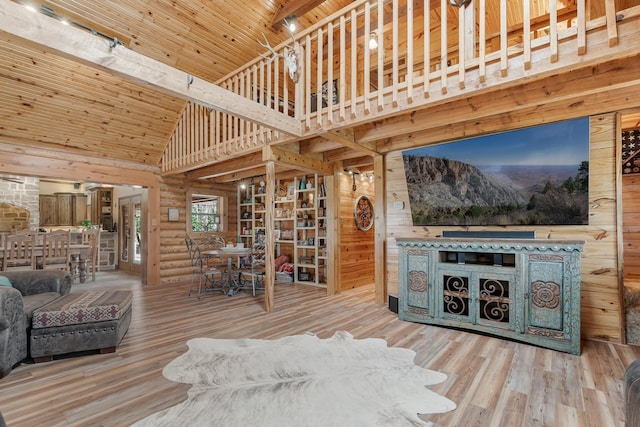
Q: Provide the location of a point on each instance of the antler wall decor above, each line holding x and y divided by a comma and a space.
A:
459, 3
290, 57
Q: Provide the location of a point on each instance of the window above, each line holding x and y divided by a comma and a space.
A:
206, 212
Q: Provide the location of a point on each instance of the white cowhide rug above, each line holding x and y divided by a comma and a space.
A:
300, 381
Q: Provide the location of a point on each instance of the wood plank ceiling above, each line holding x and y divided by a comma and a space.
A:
52, 103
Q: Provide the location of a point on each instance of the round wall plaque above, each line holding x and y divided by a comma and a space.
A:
363, 213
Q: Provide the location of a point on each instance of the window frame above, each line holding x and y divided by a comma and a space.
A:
222, 210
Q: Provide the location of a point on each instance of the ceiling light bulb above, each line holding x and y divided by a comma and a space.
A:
292, 26
373, 42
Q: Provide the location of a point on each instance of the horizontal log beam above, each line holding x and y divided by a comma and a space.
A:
223, 168
47, 33
347, 138
296, 160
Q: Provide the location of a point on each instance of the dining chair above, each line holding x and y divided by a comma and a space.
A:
253, 266
190, 243
91, 237
210, 278
56, 252
19, 252
214, 243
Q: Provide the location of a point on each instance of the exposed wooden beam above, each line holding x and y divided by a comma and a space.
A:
288, 158
342, 154
240, 175
359, 162
249, 161
11, 145
347, 138
317, 145
47, 33
294, 8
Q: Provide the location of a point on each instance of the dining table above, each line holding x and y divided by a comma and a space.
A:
232, 285
78, 251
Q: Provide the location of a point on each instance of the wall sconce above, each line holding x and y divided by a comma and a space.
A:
353, 174
243, 185
373, 40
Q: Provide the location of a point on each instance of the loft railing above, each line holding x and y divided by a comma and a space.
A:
426, 51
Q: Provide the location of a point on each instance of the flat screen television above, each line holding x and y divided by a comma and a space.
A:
532, 176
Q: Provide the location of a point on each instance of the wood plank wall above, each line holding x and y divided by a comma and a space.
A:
601, 309
357, 254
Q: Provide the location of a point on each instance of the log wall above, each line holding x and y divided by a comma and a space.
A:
175, 266
601, 307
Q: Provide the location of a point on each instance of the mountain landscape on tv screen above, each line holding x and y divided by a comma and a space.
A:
451, 192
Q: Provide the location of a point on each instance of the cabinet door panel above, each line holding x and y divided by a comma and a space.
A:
495, 300
454, 294
48, 210
65, 216
418, 280
546, 305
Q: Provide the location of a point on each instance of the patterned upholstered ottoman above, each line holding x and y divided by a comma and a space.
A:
95, 320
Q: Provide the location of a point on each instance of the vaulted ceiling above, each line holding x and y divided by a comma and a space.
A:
57, 105
54, 103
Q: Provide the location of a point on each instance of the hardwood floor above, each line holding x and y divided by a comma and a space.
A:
494, 382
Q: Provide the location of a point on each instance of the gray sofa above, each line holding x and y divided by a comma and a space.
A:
632, 394
31, 290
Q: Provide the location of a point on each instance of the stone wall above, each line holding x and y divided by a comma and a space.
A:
17, 195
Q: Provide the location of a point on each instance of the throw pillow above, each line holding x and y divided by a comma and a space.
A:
4, 281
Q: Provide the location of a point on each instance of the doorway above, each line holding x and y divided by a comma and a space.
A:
130, 236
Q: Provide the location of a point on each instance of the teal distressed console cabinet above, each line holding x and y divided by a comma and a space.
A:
527, 290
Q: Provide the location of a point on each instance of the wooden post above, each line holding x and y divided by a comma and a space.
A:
269, 258
333, 233
380, 227
334, 270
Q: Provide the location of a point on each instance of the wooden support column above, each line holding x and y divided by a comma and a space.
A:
380, 227
333, 233
334, 268
151, 205
269, 258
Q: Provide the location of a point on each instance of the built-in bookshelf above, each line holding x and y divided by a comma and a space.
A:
310, 256
246, 214
300, 220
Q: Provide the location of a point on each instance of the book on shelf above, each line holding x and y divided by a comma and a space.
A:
322, 191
